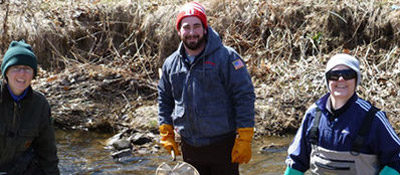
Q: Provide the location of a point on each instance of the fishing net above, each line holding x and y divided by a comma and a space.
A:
181, 168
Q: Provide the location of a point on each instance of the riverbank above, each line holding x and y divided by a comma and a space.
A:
99, 60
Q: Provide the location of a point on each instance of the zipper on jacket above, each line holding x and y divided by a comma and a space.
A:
15, 114
189, 105
191, 117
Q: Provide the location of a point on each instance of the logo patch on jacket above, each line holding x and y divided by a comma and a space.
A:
210, 63
238, 64
28, 144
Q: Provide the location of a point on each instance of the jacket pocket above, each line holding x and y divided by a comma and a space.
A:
324, 165
26, 137
331, 167
208, 86
28, 132
177, 84
214, 121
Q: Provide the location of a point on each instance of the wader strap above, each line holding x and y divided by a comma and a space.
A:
364, 130
314, 132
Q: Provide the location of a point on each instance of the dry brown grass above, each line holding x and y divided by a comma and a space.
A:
285, 44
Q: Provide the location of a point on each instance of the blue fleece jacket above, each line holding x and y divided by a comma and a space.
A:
339, 132
208, 99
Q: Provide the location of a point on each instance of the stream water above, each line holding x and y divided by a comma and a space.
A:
84, 153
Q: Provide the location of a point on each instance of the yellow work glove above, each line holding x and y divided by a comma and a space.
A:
241, 152
168, 138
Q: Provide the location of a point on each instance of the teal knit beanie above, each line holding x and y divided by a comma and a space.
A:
19, 53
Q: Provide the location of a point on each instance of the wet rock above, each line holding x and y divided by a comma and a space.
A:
118, 141
113, 139
142, 151
136, 141
121, 144
122, 153
140, 139
272, 148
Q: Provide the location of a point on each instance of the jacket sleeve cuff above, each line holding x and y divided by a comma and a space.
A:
388, 170
291, 171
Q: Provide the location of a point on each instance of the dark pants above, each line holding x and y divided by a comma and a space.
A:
214, 159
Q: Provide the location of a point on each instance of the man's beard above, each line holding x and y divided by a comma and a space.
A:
194, 45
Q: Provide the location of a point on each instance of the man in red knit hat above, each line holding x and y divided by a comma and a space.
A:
207, 97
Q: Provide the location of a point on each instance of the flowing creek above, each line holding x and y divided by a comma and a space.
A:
84, 153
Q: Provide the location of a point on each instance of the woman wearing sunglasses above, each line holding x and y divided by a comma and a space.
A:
342, 133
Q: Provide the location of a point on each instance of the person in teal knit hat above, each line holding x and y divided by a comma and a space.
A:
27, 141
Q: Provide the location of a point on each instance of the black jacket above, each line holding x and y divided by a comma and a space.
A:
24, 125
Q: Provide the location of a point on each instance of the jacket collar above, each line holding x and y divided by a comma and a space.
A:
5, 94
323, 105
17, 98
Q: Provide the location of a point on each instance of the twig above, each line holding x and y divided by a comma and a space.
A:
126, 99
5, 27
56, 51
337, 15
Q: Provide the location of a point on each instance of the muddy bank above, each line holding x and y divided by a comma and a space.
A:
100, 59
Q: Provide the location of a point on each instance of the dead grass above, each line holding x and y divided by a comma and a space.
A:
285, 44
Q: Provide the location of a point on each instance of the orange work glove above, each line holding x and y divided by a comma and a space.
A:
241, 152
168, 138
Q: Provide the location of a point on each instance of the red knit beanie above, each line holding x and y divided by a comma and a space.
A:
192, 9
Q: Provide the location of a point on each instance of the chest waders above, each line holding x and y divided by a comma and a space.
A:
325, 161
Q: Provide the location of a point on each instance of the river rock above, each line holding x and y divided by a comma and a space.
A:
141, 138
119, 141
122, 153
121, 144
272, 147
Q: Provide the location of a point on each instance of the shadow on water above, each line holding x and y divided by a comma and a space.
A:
84, 153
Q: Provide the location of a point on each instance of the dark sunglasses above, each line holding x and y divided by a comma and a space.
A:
347, 74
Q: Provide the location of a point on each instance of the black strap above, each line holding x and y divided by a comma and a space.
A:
314, 132
360, 138
364, 130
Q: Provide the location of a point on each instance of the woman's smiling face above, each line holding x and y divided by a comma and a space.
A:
19, 77
341, 88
